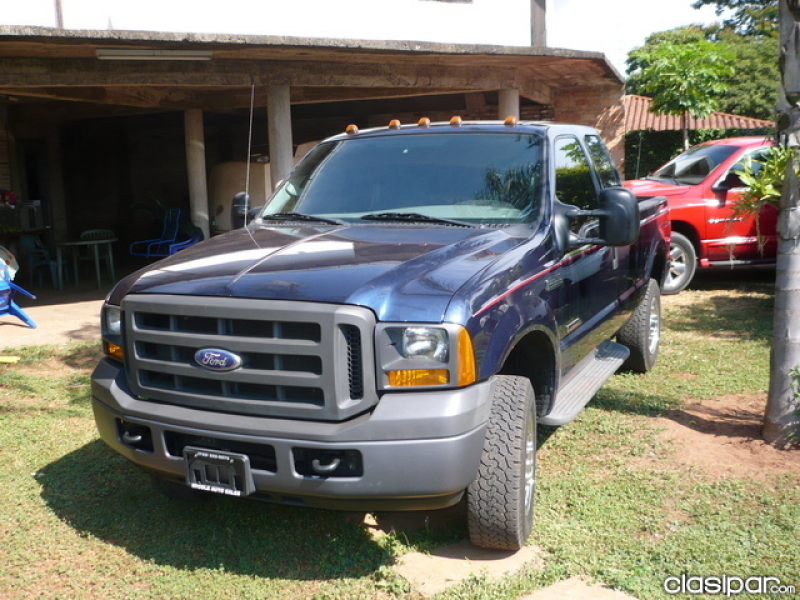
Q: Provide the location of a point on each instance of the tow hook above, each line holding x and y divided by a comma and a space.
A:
325, 469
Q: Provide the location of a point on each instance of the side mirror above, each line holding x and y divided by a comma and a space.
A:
731, 180
240, 206
617, 217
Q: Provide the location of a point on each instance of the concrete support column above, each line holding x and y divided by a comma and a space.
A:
538, 23
279, 124
196, 169
508, 104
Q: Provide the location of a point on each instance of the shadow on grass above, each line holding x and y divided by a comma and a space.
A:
750, 279
723, 421
632, 403
727, 317
101, 495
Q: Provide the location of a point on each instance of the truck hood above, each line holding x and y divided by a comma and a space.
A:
650, 187
401, 272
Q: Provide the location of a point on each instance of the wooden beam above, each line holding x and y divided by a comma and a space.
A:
38, 72
220, 98
314, 95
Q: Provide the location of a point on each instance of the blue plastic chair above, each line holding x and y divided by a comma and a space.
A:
197, 237
160, 246
7, 304
37, 257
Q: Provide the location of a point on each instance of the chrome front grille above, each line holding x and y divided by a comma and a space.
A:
299, 359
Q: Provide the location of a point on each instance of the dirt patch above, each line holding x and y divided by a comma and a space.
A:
722, 436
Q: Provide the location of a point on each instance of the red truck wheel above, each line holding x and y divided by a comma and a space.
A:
682, 264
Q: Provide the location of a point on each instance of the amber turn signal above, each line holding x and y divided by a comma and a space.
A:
114, 351
419, 377
467, 372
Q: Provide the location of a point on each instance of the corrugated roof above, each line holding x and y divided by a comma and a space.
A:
638, 116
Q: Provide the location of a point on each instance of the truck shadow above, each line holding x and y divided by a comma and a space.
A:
723, 317
101, 495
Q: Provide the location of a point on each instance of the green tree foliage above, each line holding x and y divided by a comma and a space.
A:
747, 17
639, 58
764, 181
752, 86
685, 79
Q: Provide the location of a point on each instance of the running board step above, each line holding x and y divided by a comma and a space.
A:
593, 372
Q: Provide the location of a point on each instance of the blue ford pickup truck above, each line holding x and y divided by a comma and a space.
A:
387, 333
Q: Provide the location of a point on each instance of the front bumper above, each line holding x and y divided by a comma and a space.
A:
419, 450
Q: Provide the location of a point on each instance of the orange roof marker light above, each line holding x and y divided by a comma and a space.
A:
455, 121
424, 122
394, 124
510, 121
351, 129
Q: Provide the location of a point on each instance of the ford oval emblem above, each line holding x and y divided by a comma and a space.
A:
215, 359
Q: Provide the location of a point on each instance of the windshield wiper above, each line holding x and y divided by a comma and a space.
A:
671, 180
296, 216
413, 217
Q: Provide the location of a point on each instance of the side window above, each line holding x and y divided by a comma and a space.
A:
574, 183
609, 177
758, 157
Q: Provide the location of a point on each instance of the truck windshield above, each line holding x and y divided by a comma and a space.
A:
470, 178
694, 165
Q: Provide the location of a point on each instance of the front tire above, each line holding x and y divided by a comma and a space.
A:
642, 333
682, 264
500, 501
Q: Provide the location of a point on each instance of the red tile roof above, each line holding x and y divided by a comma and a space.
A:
638, 116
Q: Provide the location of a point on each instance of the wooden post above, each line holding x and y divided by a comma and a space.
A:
279, 124
508, 104
781, 418
196, 169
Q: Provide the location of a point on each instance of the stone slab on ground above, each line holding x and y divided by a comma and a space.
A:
432, 573
576, 588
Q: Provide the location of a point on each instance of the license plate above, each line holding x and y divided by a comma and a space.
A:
218, 472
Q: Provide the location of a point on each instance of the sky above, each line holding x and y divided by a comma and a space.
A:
615, 27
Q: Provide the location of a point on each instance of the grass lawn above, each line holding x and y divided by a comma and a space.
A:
628, 494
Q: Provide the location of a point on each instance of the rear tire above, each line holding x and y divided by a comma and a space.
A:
642, 333
682, 264
500, 501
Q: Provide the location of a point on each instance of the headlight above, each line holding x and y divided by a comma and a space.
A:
111, 319
421, 343
424, 356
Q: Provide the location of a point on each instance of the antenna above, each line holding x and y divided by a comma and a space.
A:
247, 166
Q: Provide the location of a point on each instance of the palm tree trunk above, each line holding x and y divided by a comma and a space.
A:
781, 418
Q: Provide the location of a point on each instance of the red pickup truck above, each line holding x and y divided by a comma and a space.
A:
701, 186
